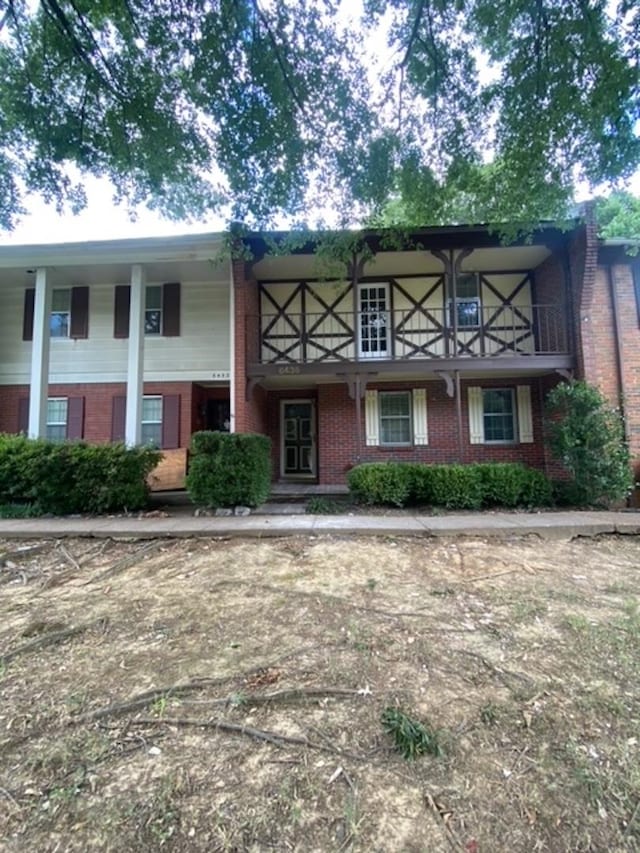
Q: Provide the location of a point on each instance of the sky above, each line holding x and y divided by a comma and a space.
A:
103, 220
100, 220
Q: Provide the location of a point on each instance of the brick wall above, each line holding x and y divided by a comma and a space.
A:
630, 352
337, 435
98, 398
249, 414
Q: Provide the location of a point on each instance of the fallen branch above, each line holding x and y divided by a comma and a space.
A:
69, 557
11, 799
25, 551
502, 674
50, 639
493, 575
274, 738
279, 696
177, 690
130, 560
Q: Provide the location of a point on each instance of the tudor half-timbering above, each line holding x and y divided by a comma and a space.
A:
441, 350
117, 340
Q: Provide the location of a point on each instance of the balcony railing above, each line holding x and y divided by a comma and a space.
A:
406, 335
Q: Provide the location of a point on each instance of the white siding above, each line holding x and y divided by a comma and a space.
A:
201, 348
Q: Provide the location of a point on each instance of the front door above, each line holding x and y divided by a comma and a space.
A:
297, 428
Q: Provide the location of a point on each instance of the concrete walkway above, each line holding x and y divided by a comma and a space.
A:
549, 525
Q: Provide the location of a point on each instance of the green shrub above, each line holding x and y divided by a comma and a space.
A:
455, 486
387, 483
586, 435
512, 484
450, 486
229, 469
537, 489
72, 477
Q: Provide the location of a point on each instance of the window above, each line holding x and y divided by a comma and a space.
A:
60, 320
467, 301
499, 415
153, 310
151, 425
57, 410
394, 408
374, 320
161, 310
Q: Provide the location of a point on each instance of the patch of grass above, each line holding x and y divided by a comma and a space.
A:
411, 737
617, 588
489, 714
527, 609
319, 505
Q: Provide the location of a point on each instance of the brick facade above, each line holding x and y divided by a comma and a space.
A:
337, 435
98, 405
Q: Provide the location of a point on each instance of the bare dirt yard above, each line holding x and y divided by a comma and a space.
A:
228, 695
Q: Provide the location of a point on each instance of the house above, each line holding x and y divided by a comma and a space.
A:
437, 346
439, 349
117, 340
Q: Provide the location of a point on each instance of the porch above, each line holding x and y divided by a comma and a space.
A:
472, 331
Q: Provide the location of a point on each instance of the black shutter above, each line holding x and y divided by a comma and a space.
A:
121, 311
27, 317
75, 417
171, 309
118, 415
79, 312
171, 421
23, 415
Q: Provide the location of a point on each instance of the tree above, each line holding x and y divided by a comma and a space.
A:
618, 215
586, 435
260, 107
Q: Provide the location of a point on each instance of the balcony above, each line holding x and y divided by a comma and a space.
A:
487, 332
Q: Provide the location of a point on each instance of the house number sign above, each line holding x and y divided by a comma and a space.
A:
288, 371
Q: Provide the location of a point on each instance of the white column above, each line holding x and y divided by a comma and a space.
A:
135, 363
40, 357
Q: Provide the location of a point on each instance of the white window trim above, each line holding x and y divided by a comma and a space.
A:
64, 423
514, 418
523, 417
408, 417
382, 354
418, 418
148, 422
66, 337
157, 334
463, 300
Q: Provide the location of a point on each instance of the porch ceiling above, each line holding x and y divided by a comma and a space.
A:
389, 264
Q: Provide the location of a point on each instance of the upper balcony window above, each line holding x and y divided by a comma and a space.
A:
373, 313
153, 310
60, 319
467, 301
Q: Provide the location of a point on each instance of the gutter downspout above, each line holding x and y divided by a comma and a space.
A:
232, 348
622, 391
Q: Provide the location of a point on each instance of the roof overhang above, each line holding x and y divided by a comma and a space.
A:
199, 257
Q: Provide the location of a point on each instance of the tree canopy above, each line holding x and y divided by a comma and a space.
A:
618, 215
260, 109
